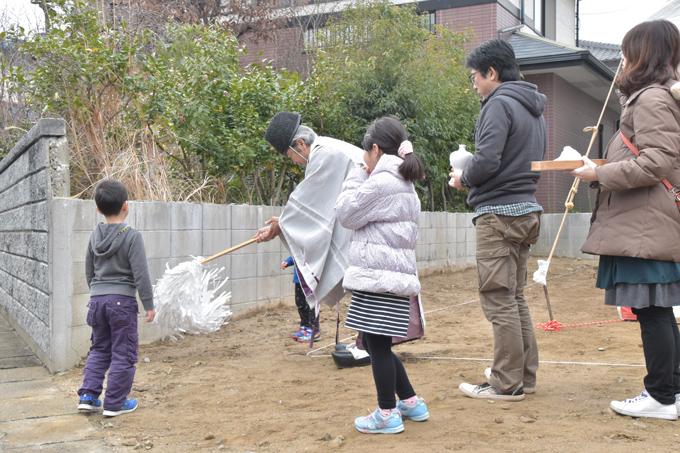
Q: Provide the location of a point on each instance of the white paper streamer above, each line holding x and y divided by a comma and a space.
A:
542, 272
184, 300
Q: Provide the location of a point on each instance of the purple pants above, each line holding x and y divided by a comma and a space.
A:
115, 342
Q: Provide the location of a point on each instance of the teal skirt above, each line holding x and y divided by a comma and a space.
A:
639, 283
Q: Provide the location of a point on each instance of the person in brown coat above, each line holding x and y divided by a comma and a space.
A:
635, 227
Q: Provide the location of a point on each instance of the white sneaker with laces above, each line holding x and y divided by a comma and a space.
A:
487, 374
645, 406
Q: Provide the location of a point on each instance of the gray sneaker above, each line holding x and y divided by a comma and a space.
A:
486, 391
528, 390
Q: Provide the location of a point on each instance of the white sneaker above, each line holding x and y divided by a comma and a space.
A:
677, 402
645, 406
487, 373
486, 391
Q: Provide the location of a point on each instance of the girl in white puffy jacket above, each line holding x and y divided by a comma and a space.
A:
380, 205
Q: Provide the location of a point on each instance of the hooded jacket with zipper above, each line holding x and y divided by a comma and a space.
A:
510, 134
635, 215
115, 263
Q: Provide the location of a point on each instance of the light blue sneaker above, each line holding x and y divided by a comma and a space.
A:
89, 403
129, 406
376, 424
417, 413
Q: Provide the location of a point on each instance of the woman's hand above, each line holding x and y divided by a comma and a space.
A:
586, 173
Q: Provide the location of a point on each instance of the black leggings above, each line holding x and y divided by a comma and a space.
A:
661, 346
304, 310
388, 372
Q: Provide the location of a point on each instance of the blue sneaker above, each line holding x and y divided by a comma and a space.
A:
300, 332
417, 412
129, 406
307, 337
376, 424
88, 403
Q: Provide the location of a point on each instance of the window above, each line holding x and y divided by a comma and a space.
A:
427, 20
534, 10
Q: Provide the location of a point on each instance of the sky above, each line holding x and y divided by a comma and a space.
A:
609, 20
601, 20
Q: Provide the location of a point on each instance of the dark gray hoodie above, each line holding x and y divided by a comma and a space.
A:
510, 134
116, 263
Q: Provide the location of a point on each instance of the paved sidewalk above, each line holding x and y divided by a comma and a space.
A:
34, 413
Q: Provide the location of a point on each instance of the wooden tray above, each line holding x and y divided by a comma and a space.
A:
562, 164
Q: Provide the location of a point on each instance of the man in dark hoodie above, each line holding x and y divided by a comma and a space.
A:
115, 269
510, 134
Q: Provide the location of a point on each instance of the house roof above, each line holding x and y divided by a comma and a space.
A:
576, 65
670, 11
602, 51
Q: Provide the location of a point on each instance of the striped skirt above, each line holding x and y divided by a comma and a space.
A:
378, 313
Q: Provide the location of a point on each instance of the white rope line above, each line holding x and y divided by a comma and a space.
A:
329, 345
526, 286
476, 359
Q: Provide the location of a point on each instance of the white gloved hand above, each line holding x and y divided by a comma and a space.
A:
542, 272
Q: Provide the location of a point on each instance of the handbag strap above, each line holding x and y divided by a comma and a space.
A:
665, 182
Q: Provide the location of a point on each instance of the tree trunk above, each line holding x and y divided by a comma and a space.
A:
444, 196
242, 178
430, 189
260, 199
282, 176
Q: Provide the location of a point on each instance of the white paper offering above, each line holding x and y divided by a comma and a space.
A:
569, 153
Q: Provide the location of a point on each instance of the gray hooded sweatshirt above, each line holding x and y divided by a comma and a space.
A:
510, 134
116, 263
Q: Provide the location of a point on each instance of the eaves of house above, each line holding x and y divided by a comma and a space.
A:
578, 66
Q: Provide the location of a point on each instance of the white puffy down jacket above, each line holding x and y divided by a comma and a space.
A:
383, 211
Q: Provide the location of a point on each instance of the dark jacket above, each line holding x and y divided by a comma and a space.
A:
510, 134
635, 215
115, 263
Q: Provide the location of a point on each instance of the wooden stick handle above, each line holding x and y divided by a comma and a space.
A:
224, 252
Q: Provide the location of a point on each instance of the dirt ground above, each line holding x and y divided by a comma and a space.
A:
250, 387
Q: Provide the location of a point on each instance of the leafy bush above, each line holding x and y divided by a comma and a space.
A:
376, 60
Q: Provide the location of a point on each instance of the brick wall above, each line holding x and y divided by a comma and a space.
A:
568, 111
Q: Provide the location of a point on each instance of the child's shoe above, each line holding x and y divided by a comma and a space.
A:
377, 424
129, 406
307, 337
300, 332
418, 412
89, 403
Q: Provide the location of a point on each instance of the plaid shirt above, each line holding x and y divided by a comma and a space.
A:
514, 210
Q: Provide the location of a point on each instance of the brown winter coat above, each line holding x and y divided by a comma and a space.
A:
635, 215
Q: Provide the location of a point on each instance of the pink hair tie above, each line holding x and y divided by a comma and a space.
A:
405, 148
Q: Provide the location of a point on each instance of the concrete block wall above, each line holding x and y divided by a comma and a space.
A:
32, 173
44, 236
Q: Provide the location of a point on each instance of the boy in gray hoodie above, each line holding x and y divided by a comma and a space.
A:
115, 268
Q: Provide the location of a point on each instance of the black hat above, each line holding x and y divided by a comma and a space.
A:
281, 130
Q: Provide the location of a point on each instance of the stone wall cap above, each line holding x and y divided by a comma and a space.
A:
46, 127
